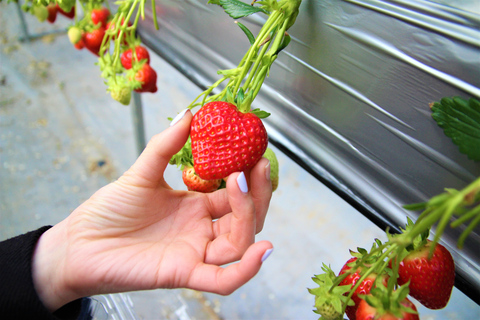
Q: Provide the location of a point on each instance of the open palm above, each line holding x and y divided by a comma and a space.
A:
138, 233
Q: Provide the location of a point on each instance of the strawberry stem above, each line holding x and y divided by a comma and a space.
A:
256, 62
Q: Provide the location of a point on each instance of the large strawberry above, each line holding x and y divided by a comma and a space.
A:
364, 288
147, 77
225, 140
431, 276
93, 39
127, 58
195, 183
431, 279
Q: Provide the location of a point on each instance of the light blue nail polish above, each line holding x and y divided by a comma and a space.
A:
242, 183
267, 254
178, 117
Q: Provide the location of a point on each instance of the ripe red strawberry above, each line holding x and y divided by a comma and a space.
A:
93, 39
431, 280
195, 183
147, 76
70, 14
52, 13
225, 140
363, 289
80, 44
127, 56
367, 312
100, 15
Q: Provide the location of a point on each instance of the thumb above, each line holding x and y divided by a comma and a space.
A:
153, 161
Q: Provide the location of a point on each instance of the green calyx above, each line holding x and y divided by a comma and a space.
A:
329, 303
244, 82
184, 157
386, 302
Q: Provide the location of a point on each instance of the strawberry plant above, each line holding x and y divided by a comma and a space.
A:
227, 135
410, 258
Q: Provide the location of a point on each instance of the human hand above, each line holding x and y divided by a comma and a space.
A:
138, 233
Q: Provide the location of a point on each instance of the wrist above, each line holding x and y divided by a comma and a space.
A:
48, 270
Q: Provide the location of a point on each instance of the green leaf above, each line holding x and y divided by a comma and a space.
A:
460, 121
260, 113
247, 32
237, 9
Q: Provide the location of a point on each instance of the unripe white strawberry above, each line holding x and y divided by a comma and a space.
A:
74, 35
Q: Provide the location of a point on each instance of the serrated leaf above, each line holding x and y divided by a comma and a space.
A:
247, 32
237, 9
460, 121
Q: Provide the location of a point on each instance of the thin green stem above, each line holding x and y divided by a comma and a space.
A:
467, 216
265, 31
468, 230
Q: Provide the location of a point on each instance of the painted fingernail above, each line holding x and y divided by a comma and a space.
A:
267, 254
267, 171
242, 183
178, 117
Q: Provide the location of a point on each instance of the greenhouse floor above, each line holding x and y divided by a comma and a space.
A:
62, 137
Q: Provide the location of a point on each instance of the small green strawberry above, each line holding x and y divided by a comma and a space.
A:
270, 155
122, 94
41, 12
329, 303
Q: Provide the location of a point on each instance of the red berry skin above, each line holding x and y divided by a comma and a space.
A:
100, 15
69, 15
367, 312
52, 13
93, 40
225, 140
195, 183
363, 289
80, 44
127, 56
148, 77
431, 281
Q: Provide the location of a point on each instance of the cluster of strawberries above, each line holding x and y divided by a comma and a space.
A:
92, 32
48, 12
424, 270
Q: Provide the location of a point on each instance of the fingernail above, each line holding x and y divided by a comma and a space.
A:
267, 254
178, 117
242, 183
267, 171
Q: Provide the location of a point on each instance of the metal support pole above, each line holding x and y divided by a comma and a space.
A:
138, 125
23, 23
26, 35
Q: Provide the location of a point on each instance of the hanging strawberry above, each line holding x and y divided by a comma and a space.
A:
52, 13
226, 140
227, 135
128, 57
69, 14
93, 39
100, 15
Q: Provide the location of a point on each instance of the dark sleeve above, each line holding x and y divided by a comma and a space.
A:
18, 298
